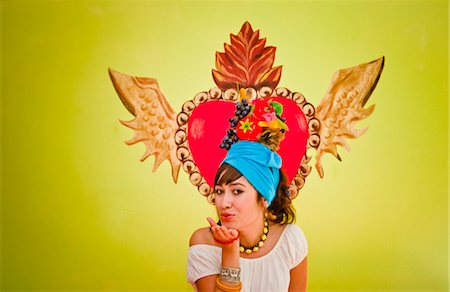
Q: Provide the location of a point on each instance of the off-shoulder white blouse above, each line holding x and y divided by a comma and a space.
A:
270, 272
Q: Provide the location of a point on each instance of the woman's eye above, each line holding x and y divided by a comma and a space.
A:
218, 192
237, 192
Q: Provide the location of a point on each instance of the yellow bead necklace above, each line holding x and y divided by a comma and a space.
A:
260, 244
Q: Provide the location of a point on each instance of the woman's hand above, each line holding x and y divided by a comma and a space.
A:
222, 234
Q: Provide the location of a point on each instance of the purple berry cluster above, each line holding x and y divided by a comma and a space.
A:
242, 110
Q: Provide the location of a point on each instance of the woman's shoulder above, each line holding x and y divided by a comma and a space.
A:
202, 236
203, 256
294, 241
286, 230
294, 232
294, 228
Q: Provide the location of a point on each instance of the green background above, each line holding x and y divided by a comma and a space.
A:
80, 212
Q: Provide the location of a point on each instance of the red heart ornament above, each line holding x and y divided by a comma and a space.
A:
208, 125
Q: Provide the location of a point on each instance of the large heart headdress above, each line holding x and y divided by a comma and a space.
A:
191, 138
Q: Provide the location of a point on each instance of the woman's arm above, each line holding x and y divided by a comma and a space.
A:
207, 283
230, 259
298, 277
230, 255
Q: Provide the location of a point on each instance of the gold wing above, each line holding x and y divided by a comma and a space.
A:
155, 121
343, 106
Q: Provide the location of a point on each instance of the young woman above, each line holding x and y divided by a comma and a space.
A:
254, 246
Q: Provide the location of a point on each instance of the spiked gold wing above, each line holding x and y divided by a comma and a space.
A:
155, 121
343, 106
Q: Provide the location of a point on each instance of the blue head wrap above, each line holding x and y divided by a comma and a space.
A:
258, 164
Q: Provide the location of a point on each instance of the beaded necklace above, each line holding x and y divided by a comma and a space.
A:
260, 244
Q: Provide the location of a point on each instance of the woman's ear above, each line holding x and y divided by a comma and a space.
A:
266, 205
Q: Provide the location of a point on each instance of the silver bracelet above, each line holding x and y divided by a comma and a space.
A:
230, 274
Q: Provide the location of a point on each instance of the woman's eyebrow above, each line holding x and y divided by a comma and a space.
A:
236, 183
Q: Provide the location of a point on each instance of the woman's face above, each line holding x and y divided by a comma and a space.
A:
237, 204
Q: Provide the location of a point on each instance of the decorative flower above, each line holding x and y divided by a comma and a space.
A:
248, 129
270, 116
262, 106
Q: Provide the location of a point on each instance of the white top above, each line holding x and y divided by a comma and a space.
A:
270, 272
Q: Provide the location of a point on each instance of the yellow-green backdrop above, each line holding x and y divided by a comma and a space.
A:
80, 212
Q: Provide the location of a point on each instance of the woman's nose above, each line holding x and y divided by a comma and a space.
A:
227, 201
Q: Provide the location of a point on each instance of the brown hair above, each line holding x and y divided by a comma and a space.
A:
281, 208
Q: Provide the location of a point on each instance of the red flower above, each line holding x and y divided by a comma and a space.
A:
262, 106
248, 129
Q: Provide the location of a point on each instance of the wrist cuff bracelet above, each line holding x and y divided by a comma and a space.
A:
232, 275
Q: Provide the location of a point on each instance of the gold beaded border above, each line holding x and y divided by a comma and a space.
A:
184, 153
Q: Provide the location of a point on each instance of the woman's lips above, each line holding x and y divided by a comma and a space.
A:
226, 216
